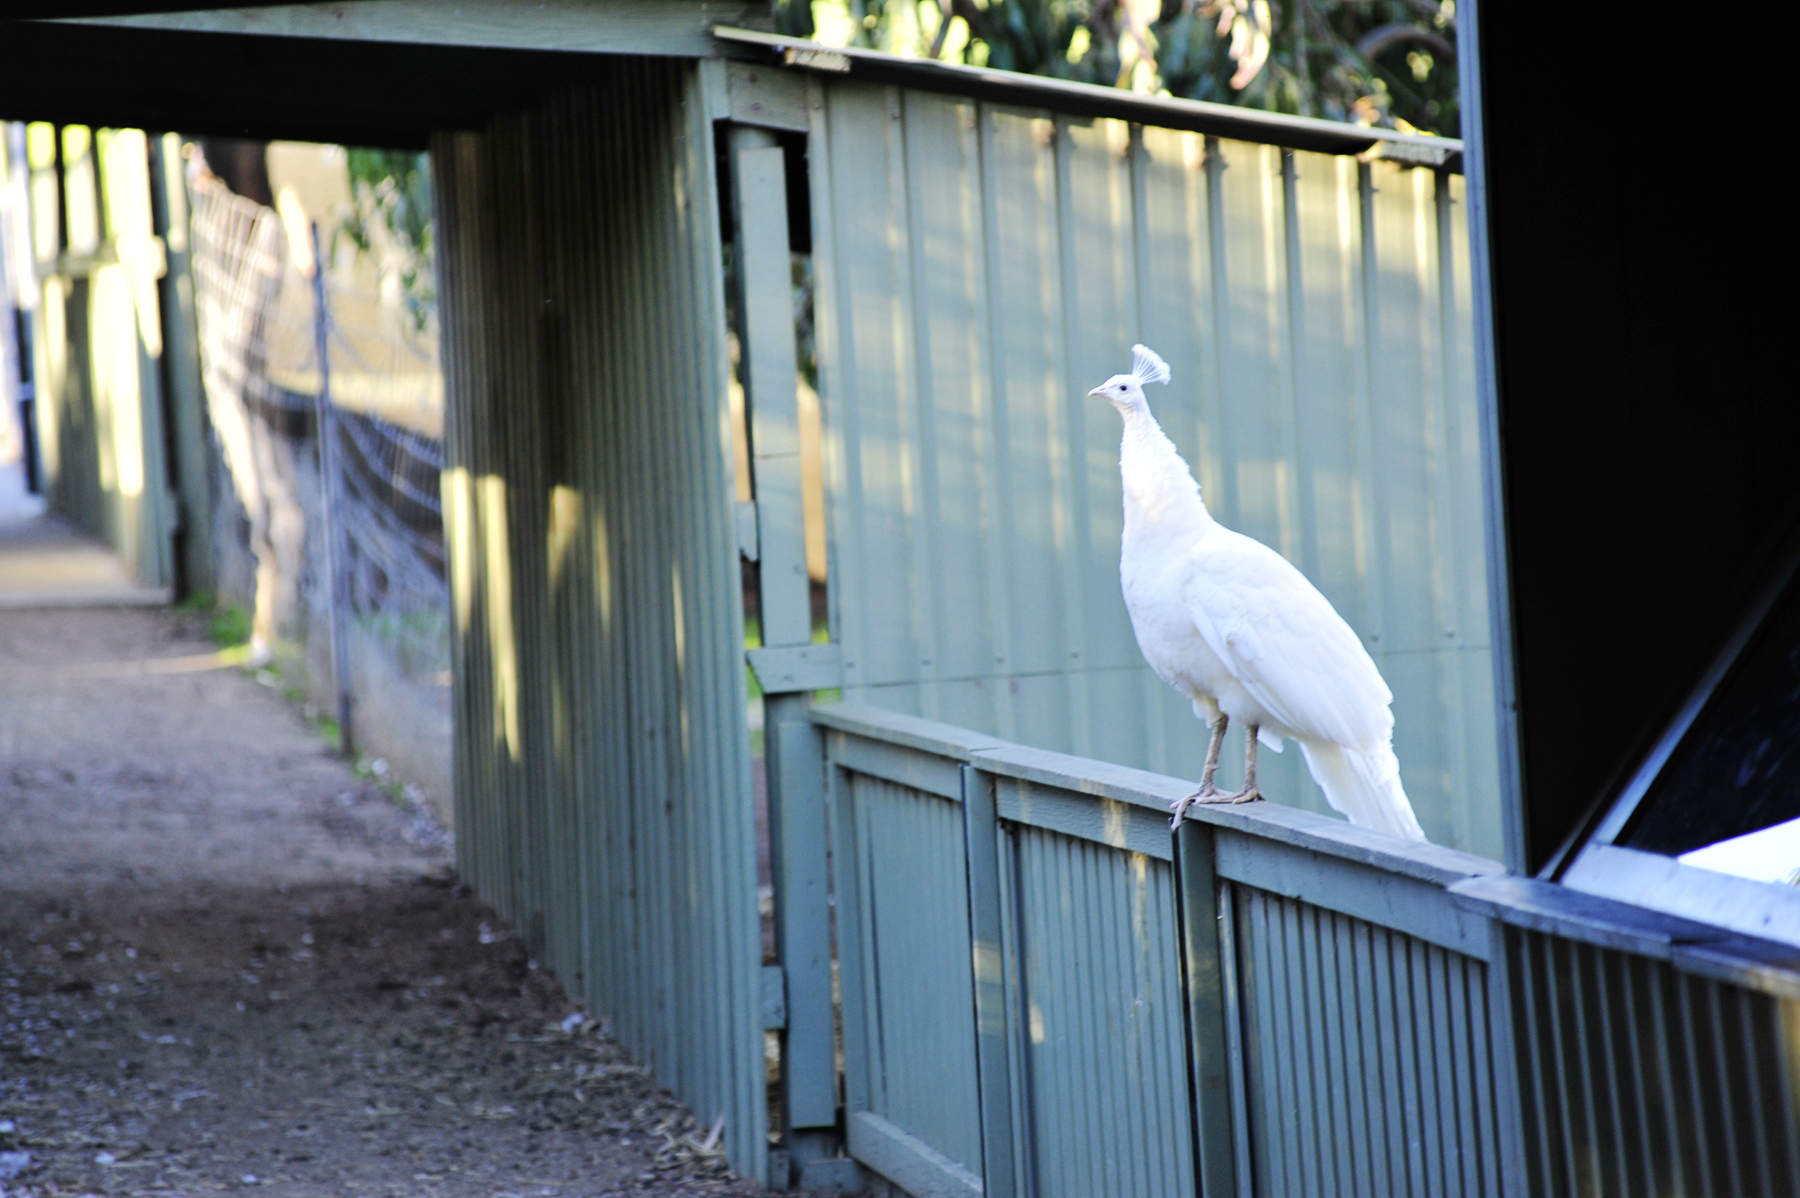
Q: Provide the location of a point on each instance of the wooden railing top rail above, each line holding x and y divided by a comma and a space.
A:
1477, 885
1431, 863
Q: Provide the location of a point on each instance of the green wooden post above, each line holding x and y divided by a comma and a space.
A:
1203, 992
981, 844
802, 918
771, 382
796, 772
183, 395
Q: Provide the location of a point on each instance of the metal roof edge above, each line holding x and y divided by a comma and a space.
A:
1087, 99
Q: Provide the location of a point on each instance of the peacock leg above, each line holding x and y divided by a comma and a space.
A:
1249, 794
1178, 809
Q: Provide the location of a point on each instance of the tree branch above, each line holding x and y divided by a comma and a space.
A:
1377, 41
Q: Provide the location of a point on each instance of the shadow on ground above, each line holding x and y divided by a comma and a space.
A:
227, 963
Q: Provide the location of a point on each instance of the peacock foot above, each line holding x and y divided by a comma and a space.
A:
1247, 795
1178, 809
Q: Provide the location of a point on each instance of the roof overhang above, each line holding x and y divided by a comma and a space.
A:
389, 72
363, 72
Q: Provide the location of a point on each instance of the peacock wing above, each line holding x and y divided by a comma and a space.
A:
1285, 644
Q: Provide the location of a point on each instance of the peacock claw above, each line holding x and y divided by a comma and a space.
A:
1248, 795
1178, 809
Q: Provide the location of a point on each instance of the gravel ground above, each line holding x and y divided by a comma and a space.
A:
229, 963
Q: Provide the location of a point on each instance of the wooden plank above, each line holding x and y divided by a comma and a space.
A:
1748, 906
1427, 862
1203, 978
666, 27
1504, 1119
1404, 904
802, 915
854, 952
908, 1161
1430, 863
1234, 979
1110, 822
766, 97
986, 930
895, 763
897, 728
792, 668
922, 993
765, 290
1710, 951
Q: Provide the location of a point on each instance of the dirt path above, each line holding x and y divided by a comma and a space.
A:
226, 963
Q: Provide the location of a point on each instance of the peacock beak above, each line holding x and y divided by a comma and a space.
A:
1100, 391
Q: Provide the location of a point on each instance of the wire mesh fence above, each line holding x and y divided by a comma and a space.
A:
328, 459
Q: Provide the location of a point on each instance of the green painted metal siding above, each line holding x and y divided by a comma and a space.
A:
1353, 1048
1366, 1016
1367, 1057
981, 267
97, 339
913, 892
1094, 952
603, 792
1637, 1077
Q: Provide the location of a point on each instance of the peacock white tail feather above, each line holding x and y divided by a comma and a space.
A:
1147, 366
1364, 784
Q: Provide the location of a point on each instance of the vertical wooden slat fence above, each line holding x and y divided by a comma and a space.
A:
1640, 1078
1363, 1015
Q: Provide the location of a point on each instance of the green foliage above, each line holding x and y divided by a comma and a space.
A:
376, 771
230, 627
1383, 62
1391, 63
793, 18
391, 221
1037, 37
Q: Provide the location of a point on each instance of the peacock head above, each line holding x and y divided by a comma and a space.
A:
1126, 391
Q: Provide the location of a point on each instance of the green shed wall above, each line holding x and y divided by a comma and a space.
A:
980, 267
98, 334
603, 788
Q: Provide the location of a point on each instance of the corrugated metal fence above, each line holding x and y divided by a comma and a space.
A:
602, 759
1338, 1013
981, 267
1640, 1077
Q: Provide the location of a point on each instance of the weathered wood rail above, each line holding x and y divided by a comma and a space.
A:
1043, 992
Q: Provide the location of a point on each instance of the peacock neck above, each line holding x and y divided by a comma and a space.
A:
1162, 500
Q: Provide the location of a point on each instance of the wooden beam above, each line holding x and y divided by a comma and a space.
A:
677, 28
